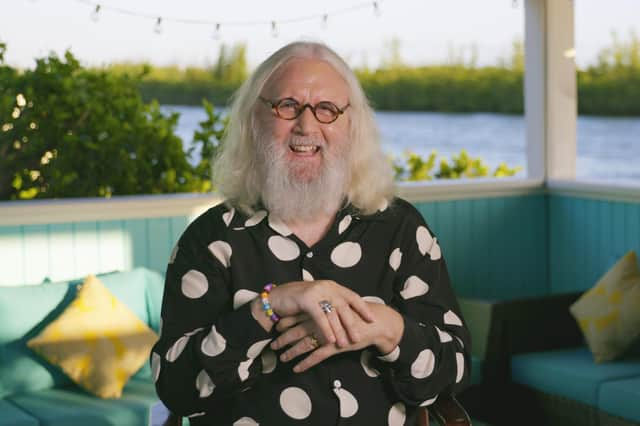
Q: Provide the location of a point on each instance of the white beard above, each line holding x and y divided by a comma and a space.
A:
290, 198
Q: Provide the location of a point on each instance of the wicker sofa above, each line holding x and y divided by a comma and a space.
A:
537, 369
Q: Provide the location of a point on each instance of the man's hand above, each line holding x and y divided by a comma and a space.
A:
339, 326
384, 333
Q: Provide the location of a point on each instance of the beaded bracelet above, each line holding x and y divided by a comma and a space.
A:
266, 306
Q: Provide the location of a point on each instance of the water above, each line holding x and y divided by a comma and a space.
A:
608, 147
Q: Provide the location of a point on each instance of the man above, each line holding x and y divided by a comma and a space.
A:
311, 296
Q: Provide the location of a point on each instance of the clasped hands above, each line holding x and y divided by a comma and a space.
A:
351, 323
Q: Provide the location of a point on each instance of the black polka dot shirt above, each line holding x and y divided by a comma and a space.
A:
213, 363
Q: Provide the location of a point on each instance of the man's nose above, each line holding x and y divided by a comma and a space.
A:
306, 122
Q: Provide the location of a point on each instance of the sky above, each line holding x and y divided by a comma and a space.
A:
427, 30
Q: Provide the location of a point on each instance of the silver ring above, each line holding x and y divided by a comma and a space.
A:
326, 306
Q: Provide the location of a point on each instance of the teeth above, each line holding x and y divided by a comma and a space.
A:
303, 148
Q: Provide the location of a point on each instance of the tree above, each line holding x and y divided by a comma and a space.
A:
71, 132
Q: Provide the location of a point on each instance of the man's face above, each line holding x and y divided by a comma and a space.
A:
307, 81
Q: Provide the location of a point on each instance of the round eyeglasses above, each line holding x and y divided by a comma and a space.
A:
289, 109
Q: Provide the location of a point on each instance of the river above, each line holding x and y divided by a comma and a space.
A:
608, 147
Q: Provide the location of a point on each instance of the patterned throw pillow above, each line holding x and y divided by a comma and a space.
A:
97, 341
609, 313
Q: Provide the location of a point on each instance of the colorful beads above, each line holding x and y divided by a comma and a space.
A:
266, 306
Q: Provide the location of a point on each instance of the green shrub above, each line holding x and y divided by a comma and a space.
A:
71, 132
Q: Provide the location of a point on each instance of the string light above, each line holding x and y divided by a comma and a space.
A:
216, 32
157, 28
324, 17
95, 15
376, 9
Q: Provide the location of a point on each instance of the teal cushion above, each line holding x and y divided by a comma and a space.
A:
72, 407
26, 310
621, 398
10, 415
476, 370
570, 373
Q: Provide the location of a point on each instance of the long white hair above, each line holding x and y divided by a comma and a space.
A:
236, 174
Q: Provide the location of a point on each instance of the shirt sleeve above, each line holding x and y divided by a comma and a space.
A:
433, 355
209, 349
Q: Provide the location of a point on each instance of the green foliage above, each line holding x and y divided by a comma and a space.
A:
188, 86
206, 141
612, 85
66, 131
415, 168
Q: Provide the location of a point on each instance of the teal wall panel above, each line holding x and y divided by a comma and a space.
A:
586, 237
34, 253
495, 248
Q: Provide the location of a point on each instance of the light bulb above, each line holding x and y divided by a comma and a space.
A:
376, 9
325, 19
274, 29
95, 15
158, 27
216, 32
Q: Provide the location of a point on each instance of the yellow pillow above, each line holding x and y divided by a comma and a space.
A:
97, 341
609, 313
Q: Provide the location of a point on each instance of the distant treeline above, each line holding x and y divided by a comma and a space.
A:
611, 86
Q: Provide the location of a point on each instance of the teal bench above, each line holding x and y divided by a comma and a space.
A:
537, 370
35, 393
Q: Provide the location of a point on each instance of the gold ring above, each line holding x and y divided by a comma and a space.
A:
313, 341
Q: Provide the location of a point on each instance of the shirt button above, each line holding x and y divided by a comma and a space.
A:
310, 254
337, 384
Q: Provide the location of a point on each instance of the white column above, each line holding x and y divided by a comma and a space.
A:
550, 89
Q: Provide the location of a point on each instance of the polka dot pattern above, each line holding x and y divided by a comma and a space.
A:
444, 336
348, 402
227, 217
256, 348
194, 284
279, 226
391, 356
245, 421
395, 259
397, 414
242, 297
295, 403
429, 401
204, 384
306, 275
347, 254
155, 366
283, 248
176, 349
424, 239
414, 287
256, 218
344, 224
365, 361
423, 365
459, 366
200, 414
451, 318
243, 369
222, 251
214, 344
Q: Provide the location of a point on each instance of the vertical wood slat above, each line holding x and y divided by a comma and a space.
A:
35, 253
495, 247
587, 237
